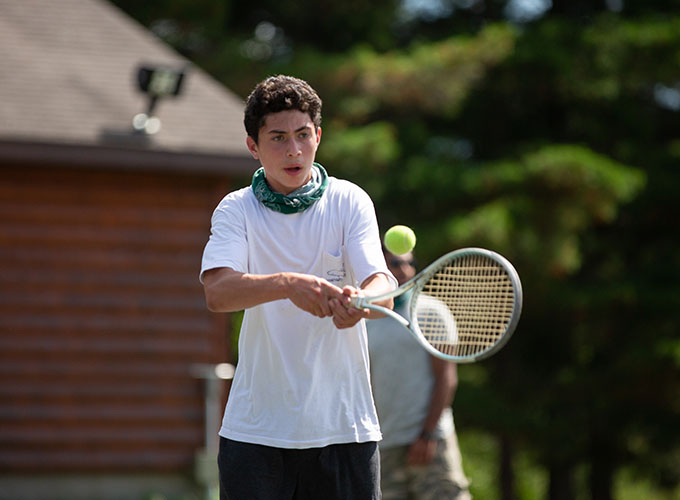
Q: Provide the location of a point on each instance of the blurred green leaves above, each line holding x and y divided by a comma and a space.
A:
432, 78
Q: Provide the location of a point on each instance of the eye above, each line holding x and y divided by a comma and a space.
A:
277, 138
303, 135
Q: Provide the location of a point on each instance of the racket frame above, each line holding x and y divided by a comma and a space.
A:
418, 282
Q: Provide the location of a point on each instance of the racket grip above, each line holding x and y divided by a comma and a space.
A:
357, 302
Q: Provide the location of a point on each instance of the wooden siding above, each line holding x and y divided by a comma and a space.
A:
101, 318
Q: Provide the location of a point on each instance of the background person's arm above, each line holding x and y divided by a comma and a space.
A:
422, 450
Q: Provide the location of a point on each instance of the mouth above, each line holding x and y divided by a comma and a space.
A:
293, 169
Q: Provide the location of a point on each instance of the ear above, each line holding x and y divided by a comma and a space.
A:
252, 147
318, 135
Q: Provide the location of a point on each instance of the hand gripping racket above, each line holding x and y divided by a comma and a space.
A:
463, 307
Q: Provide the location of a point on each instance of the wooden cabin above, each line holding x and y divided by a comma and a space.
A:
102, 226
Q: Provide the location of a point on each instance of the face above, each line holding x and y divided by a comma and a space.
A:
286, 147
402, 266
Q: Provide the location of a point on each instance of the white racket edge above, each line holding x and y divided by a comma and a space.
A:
423, 277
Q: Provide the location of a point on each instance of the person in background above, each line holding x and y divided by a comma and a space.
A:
413, 392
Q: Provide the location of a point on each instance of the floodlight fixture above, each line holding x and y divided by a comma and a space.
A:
157, 82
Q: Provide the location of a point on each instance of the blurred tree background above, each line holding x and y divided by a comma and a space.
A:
548, 131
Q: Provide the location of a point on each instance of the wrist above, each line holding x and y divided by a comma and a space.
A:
427, 435
285, 284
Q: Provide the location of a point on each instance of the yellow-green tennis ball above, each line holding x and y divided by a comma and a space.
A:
400, 239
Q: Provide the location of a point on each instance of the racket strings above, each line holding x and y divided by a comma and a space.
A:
466, 306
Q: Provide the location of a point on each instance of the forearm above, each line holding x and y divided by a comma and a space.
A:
445, 384
423, 449
227, 290
375, 285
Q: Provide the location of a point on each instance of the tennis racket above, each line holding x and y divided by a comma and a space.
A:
463, 307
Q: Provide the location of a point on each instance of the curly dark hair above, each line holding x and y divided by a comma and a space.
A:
280, 93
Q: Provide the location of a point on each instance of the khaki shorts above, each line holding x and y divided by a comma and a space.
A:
442, 479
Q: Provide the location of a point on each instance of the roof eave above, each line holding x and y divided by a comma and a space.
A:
19, 152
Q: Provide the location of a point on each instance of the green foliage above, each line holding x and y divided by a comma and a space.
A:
479, 450
350, 150
327, 26
431, 79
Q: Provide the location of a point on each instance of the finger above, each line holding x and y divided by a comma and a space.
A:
349, 292
339, 311
415, 458
342, 320
353, 314
325, 308
332, 291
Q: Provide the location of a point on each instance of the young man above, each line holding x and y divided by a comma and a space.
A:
419, 454
290, 249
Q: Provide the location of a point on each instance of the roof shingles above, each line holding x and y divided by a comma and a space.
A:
68, 76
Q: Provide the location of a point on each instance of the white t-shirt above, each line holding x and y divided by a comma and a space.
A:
300, 382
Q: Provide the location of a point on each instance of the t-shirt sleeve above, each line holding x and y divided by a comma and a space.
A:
227, 245
362, 239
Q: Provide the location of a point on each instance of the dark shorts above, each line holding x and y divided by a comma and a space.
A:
336, 472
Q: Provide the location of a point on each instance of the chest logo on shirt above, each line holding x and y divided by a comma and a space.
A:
335, 268
336, 275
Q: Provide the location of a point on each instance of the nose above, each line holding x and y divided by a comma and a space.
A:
294, 148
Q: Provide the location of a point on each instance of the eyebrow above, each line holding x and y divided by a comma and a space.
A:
278, 132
